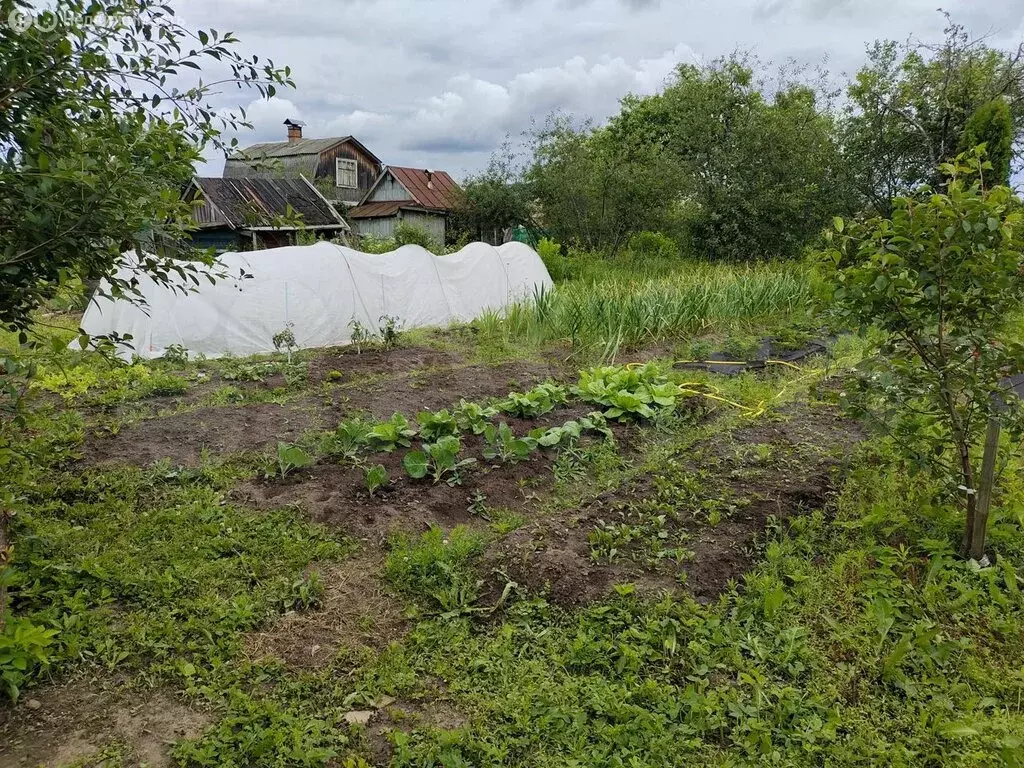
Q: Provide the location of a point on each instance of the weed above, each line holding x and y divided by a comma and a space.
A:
436, 567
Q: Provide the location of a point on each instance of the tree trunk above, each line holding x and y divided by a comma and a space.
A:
988, 476
967, 473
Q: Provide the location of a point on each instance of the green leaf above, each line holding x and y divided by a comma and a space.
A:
415, 463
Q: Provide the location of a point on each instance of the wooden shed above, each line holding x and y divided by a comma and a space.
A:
244, 214
342, 168
422, 198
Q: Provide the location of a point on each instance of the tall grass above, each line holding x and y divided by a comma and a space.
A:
620, 309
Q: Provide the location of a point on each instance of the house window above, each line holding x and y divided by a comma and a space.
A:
346, 173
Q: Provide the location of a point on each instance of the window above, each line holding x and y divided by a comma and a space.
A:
346, 173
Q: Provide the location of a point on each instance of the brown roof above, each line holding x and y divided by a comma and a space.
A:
383, 209
441, 194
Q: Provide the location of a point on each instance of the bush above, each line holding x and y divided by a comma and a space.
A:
409, 234
550, 253
653, 246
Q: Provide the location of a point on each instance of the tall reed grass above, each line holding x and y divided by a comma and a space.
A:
620, 309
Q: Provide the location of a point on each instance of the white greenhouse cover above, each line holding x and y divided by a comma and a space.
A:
320, 289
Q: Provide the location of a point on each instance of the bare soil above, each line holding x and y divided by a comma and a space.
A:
61, 724
807, 446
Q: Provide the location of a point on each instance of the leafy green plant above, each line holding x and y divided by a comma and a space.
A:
176, 354
359, 335
376, 478
941, 278
291, 457
440, 460
535, 402
571, 431
389, 331
627, 391
24, 649
502, 444
550, 253
472, 417
391, 434
348, 439
437, 424
285, 338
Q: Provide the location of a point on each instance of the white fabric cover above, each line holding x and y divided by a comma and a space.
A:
320, 289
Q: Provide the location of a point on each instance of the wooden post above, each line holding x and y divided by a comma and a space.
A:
988, 476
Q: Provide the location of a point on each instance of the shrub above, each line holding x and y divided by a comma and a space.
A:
410, 234
550, 253
653, 246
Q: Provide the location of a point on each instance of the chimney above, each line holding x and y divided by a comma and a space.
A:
294, 130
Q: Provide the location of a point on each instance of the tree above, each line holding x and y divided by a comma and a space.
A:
756, 178
496, 199
594, 190
940, 277
992, 125
910, 105
100, 127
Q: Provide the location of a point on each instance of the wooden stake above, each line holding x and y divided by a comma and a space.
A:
988, 475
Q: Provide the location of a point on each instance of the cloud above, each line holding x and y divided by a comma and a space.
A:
439, 84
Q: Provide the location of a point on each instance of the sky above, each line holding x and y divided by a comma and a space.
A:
439, 84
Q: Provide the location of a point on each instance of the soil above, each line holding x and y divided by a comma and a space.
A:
808, 445
356, 612
412, 385
61, 724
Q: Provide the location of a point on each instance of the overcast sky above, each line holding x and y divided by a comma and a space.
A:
439, 83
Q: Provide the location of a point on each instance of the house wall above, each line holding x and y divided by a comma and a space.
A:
385, 225
389, 189
368, 171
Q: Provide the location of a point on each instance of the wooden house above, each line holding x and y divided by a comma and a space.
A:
421, 198
341, 167
246, 214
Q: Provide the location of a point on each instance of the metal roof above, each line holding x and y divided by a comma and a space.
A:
253, 202
431, 189
382, 209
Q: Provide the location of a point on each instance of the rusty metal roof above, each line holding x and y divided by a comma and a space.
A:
252, 202
431, 189
383, 209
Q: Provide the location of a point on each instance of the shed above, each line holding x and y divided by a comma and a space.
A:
342, 168
422, 198
236, 214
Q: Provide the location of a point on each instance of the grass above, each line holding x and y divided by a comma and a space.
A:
857, 638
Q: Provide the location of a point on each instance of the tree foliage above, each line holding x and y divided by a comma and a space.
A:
910, 106
495, 199
100, 125
992, 125
940, 277
594, 190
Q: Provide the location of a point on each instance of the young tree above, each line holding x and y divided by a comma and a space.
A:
941, 277
495, 199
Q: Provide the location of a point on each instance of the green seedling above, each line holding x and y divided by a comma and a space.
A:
436, 425
502, 444
389, 435
440, 460
472, 417
376, 478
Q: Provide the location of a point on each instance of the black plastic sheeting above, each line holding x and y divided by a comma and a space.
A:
730, 366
